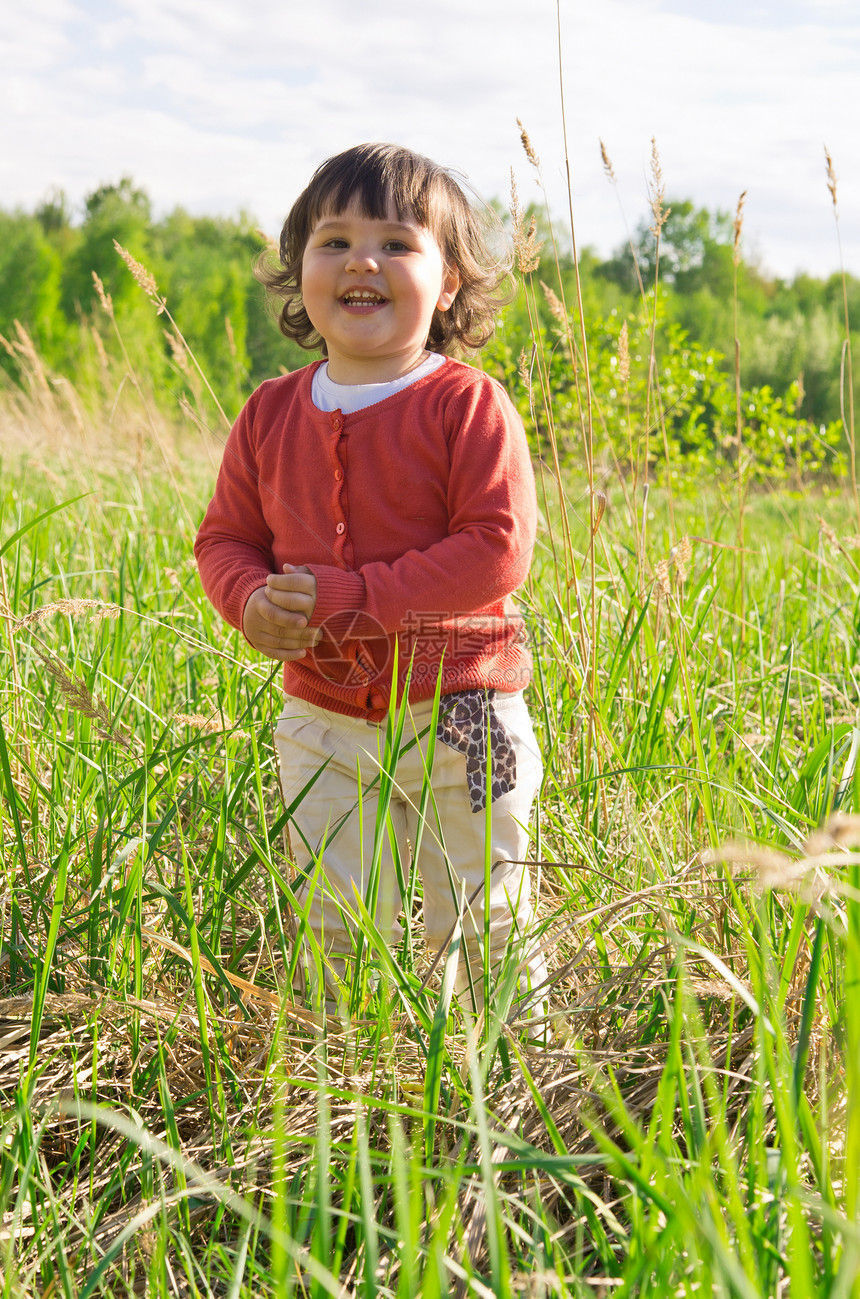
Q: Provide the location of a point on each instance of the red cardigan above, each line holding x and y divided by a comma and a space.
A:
416, 516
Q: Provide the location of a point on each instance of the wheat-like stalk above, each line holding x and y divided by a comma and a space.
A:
801, 392
607, 163
103, 296
23, 346
78, 696
526, 244
178, 350
661, 574
144, 278
524, 371
198, 722
598, 509
528, 147
209, 725
516, 207
824, 848
680, 557
100, 348
554, 303
623, 355
95, 610
657, 192
831, 178
738, 225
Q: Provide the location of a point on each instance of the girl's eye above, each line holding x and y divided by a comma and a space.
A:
335, 243
396, 246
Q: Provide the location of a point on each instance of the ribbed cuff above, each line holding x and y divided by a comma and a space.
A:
340, 602
234, 609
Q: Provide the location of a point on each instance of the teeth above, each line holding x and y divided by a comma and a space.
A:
356, 295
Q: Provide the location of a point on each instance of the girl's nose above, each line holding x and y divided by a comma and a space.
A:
362, 260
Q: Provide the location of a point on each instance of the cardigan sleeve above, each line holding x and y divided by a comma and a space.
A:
492, 513
233, 547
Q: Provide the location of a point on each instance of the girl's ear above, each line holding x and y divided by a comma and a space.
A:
450, 288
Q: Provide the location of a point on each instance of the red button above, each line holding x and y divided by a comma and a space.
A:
338, 474
340, 529
336, 424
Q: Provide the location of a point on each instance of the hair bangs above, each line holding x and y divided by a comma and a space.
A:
372, 181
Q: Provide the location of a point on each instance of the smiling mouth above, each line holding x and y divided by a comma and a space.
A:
363, 299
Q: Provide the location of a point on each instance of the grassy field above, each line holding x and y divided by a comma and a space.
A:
172, 1123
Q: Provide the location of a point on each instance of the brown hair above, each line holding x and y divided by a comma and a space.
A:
374, 178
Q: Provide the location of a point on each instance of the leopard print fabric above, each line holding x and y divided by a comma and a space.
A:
462, 726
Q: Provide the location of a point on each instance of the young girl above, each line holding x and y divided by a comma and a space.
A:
384, 496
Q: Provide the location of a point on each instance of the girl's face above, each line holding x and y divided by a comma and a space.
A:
370, 287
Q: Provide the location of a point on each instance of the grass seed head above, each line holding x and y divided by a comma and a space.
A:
144, 278
607, 163
103, 296
738, 225
516, 210
777, 870
79, 697
178, 350
25, 347
623, 355
208, 725
680, 557
831, 176
598, 504
198, 722
661, 576
528, 147
524, 370
526, 245
657, 192
842, 830
100, 349
554, 303
94, 610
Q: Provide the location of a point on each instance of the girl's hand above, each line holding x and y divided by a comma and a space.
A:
277, 615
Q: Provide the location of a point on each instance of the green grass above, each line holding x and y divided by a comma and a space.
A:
692, 1127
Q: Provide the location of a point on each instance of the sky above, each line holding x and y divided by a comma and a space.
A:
223, 106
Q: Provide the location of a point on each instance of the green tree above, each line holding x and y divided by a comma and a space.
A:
30, 272
112, 212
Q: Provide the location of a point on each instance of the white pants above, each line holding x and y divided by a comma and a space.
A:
451, 854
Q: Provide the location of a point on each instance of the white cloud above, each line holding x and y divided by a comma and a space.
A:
219, 105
